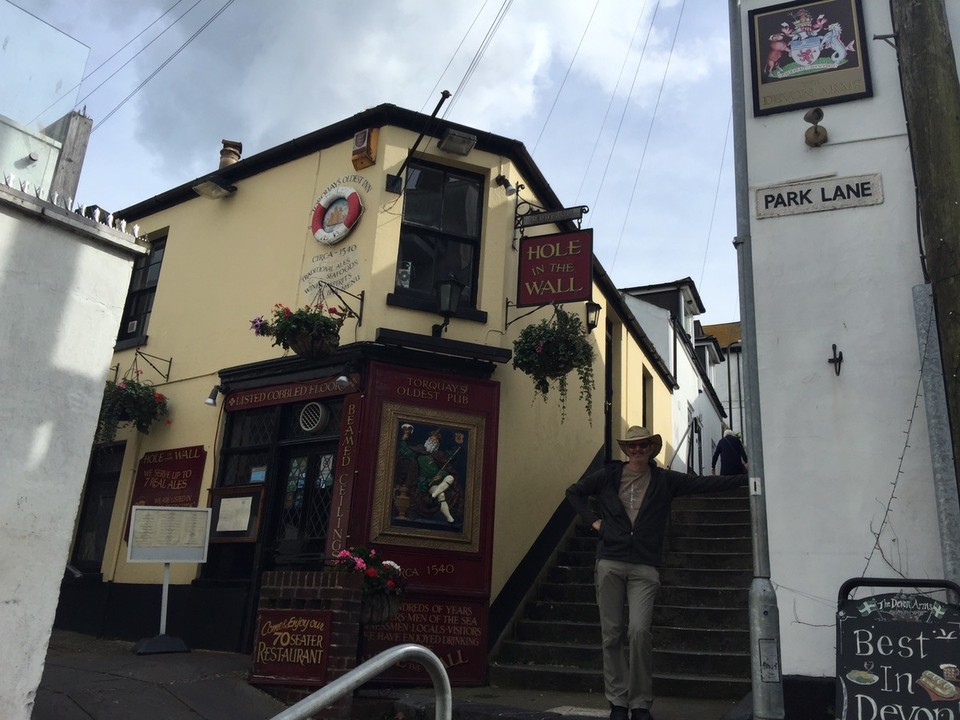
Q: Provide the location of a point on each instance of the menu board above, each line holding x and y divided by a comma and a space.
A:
897, 657
168, 534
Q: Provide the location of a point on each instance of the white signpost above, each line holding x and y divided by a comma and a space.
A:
167, 535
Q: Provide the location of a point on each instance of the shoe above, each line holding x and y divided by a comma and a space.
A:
618, 712
640, 714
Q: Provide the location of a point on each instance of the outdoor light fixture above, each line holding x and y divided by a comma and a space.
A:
448, 301
214, 188
456, 142
593, 315
507, 186
344, 382
212, 399
814, 136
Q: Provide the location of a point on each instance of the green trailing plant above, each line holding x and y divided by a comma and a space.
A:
549, 350
317, 325
133, 401
380, 577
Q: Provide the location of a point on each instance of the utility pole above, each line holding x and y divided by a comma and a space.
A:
764, 614
931, 98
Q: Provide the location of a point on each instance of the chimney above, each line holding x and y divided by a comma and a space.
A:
230, 153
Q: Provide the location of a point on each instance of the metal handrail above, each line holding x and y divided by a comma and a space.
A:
329, 694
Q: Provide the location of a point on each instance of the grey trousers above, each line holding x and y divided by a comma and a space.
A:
625, 595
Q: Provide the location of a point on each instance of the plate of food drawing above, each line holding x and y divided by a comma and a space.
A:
862, 677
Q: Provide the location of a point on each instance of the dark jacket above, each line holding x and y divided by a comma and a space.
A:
732, 455
643, 542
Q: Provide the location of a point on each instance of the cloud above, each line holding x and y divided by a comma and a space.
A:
266, 73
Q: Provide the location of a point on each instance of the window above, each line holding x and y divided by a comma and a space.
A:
439, 237
143, 288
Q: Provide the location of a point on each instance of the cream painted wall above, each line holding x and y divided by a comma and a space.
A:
63, 280
229, 260
833, 445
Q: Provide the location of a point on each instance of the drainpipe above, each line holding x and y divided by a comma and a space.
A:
763, 612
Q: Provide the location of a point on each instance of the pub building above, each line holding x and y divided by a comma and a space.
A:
414, 229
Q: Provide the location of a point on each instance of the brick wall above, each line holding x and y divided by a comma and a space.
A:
340, 593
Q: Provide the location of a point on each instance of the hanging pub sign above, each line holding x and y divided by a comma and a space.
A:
897, 653
804, 54
555, 268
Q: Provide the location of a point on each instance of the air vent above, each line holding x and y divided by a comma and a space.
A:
314, 417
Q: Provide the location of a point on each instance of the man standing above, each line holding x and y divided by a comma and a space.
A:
634, 500
733, 456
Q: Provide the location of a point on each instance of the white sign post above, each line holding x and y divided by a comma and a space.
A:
167, 535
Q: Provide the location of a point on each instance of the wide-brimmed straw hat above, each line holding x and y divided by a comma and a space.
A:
635, 432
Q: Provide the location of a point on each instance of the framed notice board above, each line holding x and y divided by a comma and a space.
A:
236, 513
897, 653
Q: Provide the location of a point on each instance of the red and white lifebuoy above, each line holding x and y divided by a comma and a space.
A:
333, 220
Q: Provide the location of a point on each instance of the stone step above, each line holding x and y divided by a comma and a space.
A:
710, 545
711, 516
701, 577
726, 561
672, 615
536, 677
706, 502
590, 656
715, 640
691, 577
668, 595
719, 530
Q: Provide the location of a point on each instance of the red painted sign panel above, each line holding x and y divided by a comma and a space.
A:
292, 645
555, 268
453, 629
170, 477
280, 394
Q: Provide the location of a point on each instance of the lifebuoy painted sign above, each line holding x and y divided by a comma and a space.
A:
335, 214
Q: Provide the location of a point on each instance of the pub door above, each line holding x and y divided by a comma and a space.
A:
300, 505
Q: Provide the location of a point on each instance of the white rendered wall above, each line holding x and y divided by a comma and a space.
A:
833, 444
63, 281
655, 322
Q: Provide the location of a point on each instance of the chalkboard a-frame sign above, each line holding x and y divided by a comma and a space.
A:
898, 653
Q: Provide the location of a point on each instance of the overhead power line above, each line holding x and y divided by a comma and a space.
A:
452, 57
125, 46
475, 62
646, 141
163, 65
565, 75
613, 95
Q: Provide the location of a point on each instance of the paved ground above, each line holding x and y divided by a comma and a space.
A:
89, 679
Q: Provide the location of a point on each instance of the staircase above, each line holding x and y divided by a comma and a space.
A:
701, 639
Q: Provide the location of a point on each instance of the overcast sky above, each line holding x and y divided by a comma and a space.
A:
623, 104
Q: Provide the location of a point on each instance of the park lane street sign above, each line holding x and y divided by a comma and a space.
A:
818, 195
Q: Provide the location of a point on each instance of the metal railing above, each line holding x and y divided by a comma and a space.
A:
332, 692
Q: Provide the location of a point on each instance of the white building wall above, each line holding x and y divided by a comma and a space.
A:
656, 323
838, 450
63, 281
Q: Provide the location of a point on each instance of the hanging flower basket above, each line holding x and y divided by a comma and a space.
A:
312, 332
314, 347
548, 351
378, 609
382, 583
129, 401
